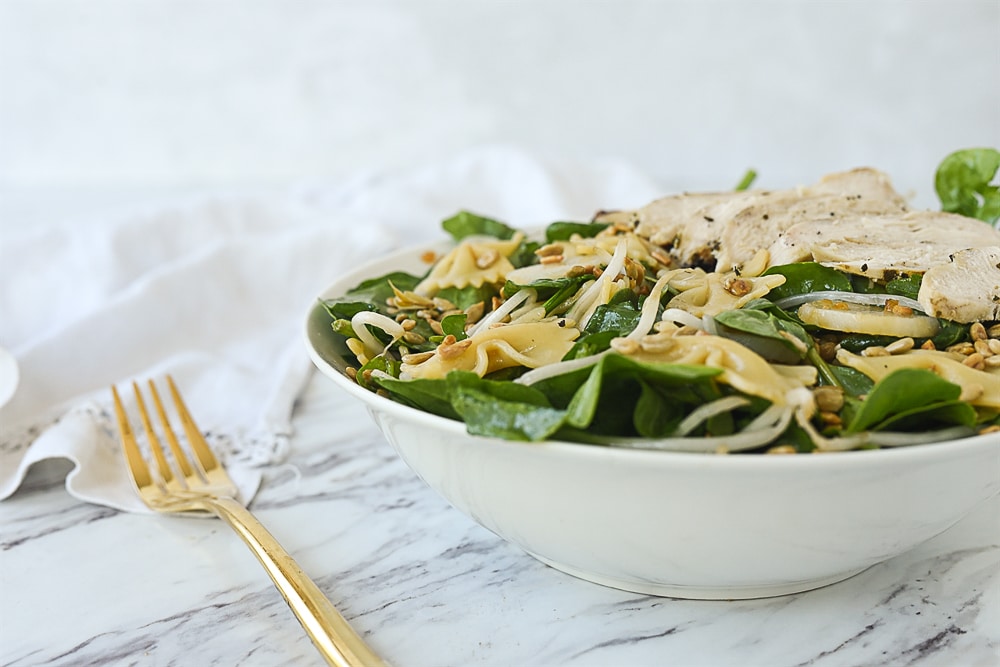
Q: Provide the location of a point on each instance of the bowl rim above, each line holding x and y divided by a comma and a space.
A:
911, 454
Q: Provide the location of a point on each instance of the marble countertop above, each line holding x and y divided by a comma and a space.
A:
83, 584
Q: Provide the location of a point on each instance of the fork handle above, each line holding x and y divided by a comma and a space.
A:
339, 644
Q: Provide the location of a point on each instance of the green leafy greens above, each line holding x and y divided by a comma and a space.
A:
965, 183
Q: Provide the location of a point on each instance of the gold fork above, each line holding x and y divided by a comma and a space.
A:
204, 486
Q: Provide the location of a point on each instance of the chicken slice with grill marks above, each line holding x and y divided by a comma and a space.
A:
881, 247
721, 230
687, 226
964, 289
844, 194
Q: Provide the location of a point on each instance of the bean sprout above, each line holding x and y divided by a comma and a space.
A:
505, 309
552, 370
649, 308
742, 441
365, 318
705, 412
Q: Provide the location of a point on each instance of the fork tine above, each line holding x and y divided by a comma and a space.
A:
201, 449
166, 474
175, 446
133, 457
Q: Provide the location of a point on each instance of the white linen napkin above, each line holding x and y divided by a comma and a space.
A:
215, 291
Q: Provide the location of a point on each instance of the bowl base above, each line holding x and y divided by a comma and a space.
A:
742, 592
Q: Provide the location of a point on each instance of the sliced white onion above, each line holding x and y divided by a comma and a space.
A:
847, 297
379, 321
505, 309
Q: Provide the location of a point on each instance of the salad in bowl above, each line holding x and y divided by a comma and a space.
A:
822, 318
612, 396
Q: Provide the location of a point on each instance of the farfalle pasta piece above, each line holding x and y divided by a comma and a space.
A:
559, 258
742, 368
530, 345
474, 261
712, 293
979, 387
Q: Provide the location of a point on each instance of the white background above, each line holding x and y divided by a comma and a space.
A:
111, 101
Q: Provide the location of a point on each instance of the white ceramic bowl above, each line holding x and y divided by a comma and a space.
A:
674, 524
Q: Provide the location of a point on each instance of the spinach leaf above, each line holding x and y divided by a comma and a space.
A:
502, 409
657, 414
583, 406
345, 310
950, 333
768, 307
620, 318
560, 296
463, 297
908, 286
423, 394
370, 295
721, 424
793, 325
963, 183
454, 325
546, 287
344, 328
765, 334
378, 289
935, 415
604, 397
796, 436
380, 362
805, 277
905, 392
562, 231
464, 224
989, 417
589, 344
854, 382
856, 342
525, 254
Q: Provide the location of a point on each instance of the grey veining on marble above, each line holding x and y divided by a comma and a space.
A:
81, 584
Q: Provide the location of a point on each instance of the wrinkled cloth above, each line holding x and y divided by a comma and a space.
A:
214, 291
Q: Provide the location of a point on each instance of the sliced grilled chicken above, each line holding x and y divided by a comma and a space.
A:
880, 247
966, 288
721, 230
687, 226
844, 194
